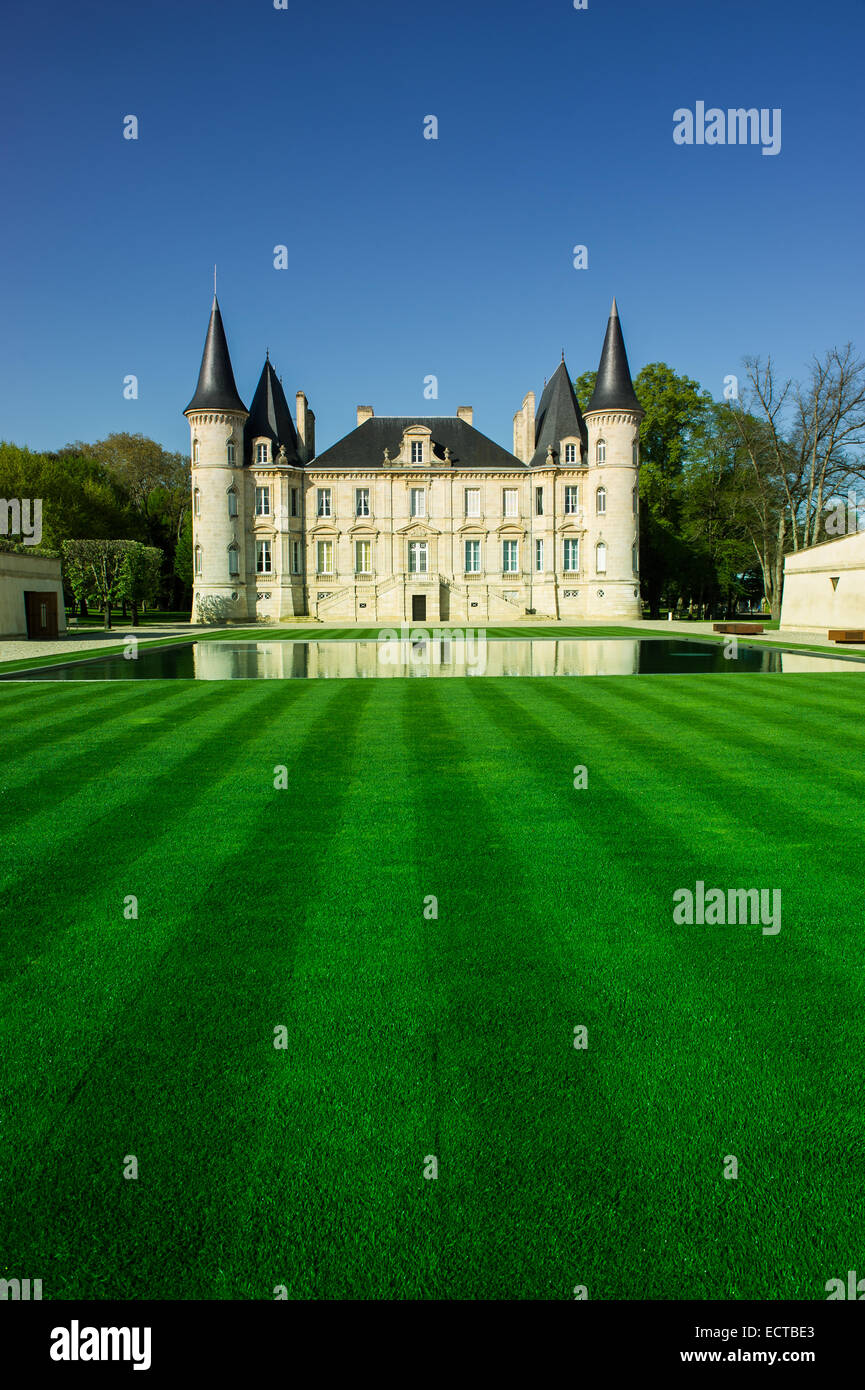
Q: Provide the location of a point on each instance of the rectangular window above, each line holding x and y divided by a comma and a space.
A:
262, 557
295, 557
510, 505
417, 557
572, 553
539, 501
418, 501
361, 501
233, 562
509, 557
196, 503
363, 557
539, 555
324, 501
198, 559
262, 501
473, 501
572, 500
294, 501
324, 557
473, 557
570, 453
417, 451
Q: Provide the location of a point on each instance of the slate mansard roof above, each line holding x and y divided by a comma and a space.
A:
363, 449
216, 389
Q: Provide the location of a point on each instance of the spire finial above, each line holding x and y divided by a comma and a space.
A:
563, 354
214, 282
267, 354
614, 313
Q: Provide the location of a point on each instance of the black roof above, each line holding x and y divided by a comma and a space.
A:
270, 417
614, 389
364, 447
558, 416
216, 389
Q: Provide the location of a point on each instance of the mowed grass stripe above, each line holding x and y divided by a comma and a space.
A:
84, 955
150, 1104
53, 863
740, 992
336, 1205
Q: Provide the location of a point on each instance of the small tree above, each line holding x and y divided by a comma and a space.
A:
140, 575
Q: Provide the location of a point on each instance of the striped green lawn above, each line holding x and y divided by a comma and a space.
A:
410, 1037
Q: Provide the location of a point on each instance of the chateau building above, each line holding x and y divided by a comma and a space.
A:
414, 518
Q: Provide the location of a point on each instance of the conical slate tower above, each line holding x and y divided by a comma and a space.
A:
614, 389
558, 417
270, 418
216, 389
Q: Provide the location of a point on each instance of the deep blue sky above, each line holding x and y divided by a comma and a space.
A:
410, 256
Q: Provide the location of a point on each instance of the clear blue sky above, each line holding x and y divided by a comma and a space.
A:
408, 256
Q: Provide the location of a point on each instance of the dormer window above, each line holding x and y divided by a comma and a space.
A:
261, 453
417, 451
601, 451
230, 452
570, 453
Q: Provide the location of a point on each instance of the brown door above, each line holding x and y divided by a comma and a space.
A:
41, 614
418, 608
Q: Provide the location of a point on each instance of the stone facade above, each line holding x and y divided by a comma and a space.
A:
439, 525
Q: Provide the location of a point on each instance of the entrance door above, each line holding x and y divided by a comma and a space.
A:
41, 612
418, 608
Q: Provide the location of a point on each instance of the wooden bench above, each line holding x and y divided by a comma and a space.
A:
738, 629
841, 634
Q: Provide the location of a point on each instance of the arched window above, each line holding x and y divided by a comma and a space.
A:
196, 502
196, 451
601, 557
634, 501
601, 451
634, 557
198, 559
233, 561
570, 453
635, 454
601, 501
261, 453
230, 451
232, 501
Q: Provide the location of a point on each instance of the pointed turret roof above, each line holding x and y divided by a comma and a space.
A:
614, 389
558, 415
269, 415
216, 389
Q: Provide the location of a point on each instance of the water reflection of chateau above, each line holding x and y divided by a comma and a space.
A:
349, 660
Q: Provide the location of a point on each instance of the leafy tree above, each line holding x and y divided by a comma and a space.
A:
140, 575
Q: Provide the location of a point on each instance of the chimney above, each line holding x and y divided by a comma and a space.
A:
465, 412
305, 421
524, 429
364, 412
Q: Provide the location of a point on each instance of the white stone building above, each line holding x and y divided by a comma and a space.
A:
415, 518
824, 585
